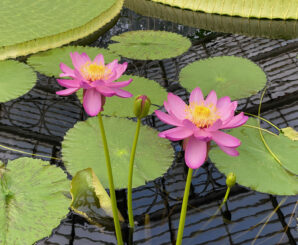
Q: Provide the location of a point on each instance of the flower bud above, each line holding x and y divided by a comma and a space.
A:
231, 180
141, 106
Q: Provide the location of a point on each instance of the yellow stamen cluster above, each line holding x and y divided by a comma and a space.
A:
93, 71
203, 116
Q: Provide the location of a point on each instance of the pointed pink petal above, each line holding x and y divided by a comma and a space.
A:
195, 153
196, 96
224, 139
112, 77
99, 60
120, 84
178, 133
77, 61
217, 125
236, 121
85, 58
120, 69
68, 91
176, 106
69, 83
67, 71
122, 93
211, 98
202, 134
85, 85
92, 102
223, 102
167, 118
229, 150
106, 91
112, 65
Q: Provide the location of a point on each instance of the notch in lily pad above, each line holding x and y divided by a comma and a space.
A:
231, 76
149, 45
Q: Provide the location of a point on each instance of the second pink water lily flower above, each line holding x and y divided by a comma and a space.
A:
200, 122
95, 78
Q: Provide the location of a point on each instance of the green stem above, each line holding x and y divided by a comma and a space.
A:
184, 207
111, 182
227, 195
131, 162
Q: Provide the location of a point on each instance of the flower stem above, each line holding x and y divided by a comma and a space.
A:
111, 182
184, 207
131, 162
226, 195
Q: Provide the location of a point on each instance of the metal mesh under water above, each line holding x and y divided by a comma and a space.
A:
37, 122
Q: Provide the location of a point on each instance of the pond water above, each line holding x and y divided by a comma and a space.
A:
37, 122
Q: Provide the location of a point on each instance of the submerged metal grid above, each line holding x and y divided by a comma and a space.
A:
37, 122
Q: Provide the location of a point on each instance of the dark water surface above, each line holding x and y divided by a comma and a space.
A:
38, 121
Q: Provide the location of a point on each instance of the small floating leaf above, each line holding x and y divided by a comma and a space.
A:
149, 45
16, 79
227, 75
90, 199
255, 167
48, 62
120, 107
32, 200
82, 148
290, 133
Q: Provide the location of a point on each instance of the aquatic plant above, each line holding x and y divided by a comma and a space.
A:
197, 124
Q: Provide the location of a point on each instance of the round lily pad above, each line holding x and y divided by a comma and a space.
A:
149, 45
48, 62
28, 27
255, 167
32, 200
120, 107
82, 148
16, 79
227, 75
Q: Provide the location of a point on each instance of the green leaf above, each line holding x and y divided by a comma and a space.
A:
28, 27
271, 9
121, 107
82, 148
255, 167
90, 199
274, 29
149, 45
32, 200
48, 62
227, 75
290, 133
16, 79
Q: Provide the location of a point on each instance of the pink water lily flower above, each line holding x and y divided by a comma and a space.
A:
200, 122
95, 78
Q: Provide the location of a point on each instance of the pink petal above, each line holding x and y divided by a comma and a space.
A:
77, 60
176, 106
120, 69
122, 93
202, 134
120, 84
99, 60
195, 153
236, 121
215, 126
85, 85
67, 71
229, 150
167, 118
223, 102
178, 133
112, 65
106, 91
196, 96
69, 83
68, 91
224, 139
211, 98
92, 102
112, 77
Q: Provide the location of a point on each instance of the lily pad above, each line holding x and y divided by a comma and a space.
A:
271, 9
255, 167
120, 107
90, 199
48, 62
290, 133
16, 79
32, 200
227, 75
28, 27
149, 45
82, 148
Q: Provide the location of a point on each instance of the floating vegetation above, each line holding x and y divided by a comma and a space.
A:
16, 79
32, 200
228, 75
149, 45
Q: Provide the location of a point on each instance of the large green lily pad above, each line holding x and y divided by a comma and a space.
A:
32, 200
255, 167
271, 9
120, 107
48, 62
149, 45
16, 79
228, 75
29, 26
82, 148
